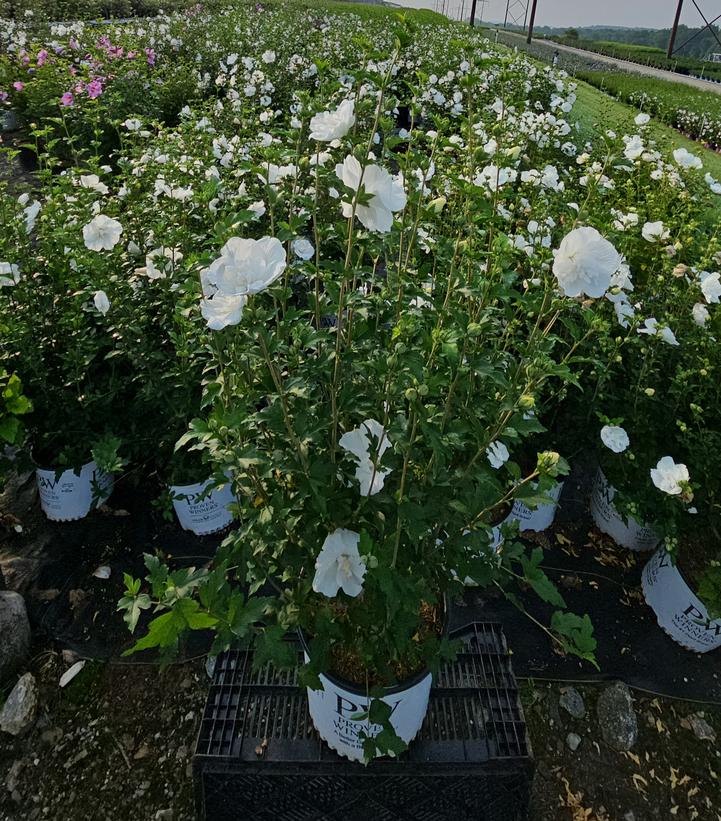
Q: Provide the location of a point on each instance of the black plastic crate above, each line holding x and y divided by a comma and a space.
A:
258, 756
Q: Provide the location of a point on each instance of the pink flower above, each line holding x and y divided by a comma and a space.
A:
67, 99
95, 89
42, 57
151, 56
3, 96
18, 86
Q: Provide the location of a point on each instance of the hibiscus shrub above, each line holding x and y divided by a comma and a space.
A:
370, 275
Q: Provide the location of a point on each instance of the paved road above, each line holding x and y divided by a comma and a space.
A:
648, 71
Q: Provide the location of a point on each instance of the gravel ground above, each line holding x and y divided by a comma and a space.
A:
116, 743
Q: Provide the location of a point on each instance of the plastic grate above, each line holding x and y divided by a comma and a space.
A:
258, 756
474, 698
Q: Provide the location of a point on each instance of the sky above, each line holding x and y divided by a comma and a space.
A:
642, 13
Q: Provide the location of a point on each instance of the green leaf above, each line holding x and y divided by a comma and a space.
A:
380, 712
196, 619
9, 429
157, 573
539, 581
270, 646
163, 632
133, 606
576, 634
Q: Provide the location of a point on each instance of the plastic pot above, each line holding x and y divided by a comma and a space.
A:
542, 517
631, 534
69, 496
679, 611
333, 708
200, 512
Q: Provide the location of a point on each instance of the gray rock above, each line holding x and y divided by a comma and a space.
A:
13, 777
573, 740
616, 717
572, 702
19, 572
15, 632
701, 728
164, 815
18, 712
630, 816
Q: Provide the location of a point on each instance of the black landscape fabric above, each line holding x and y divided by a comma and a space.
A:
594, 576
597, 577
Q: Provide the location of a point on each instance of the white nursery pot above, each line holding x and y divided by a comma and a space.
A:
679, 612
70, 496
200, 513
333, 709
542, 517
631, 534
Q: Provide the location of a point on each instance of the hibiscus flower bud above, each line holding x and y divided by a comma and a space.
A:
547, 462
526, 401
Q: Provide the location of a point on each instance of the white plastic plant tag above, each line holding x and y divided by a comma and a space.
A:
202, 513
678, 610
631, 534
542, 517
335, 711
71, 672
71, 496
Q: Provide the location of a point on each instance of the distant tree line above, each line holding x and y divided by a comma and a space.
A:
700, 47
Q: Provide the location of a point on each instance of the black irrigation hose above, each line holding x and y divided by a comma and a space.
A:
570, 572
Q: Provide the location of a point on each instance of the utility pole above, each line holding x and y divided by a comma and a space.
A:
533, 21
674, 30
473, 13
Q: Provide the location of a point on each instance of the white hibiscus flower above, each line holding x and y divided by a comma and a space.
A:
614, 438
102, 233
386, 194
339, 565
497, 454
585, 263
101, 302
358, 442
668, 476
327, 126
246, 266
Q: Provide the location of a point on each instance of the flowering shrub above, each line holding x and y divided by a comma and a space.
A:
694, 112
73, 95
373, 278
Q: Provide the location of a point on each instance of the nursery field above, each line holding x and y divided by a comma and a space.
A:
646, 55
328, 321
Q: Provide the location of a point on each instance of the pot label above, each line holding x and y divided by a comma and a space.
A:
72, 496
542, 517
678, 610
633, 535
334, 711
202, 512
